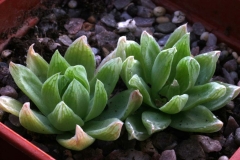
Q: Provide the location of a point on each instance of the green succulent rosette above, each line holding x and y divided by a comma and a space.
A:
176, 87
71, 95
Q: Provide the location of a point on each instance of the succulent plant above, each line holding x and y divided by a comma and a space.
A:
70, 94
176, 87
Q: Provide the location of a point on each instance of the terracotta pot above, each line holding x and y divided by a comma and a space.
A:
12, 15
220, 18
13, 146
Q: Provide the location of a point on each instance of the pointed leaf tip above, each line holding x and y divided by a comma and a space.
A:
35, 121
79, 141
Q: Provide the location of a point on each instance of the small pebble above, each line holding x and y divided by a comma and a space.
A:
74, 25
107, 39
65, 40
230, 145
198, 28
223, 158
212, 40
148, 4
237, 136
144, 22
162, 19
159, 11
163, 40
72, 4
98, 60
168, 154
223, 55
8, 91
208, 49
179, 17
234, 76
144, 12
87, 26
195, 51
227, 76
230, 105
231, 126
235, 55
14, 120
208, 144
6, 53
125, 16
230, 65
92, 19
109, 20
120, 4
204, 36
166, 28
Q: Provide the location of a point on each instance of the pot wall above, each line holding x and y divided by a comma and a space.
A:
13, 13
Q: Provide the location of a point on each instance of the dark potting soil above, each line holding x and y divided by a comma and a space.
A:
98, 20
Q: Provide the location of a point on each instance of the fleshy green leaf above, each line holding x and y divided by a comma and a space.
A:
50, 92
183, 50
187, 73
135, 128
204, 93
78, 142
63, 118
57, 64
129, 68
108, 75
10, 105
133, 49
207, 62
107, 130
80, 53
149, 51
137, 82
155, 121
122, 105
98, 102
29, 83
35, 121
79, 73
168, 91
77, 98
198, 119
231, 92
119, 51
161, 70
63, 82
175, 36
175, 104
37, 64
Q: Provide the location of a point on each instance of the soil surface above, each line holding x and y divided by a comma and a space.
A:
63, 21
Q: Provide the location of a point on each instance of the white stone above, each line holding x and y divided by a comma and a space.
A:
179, 17
204, 36
159, 11
235, 55
128, 25
72, 4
